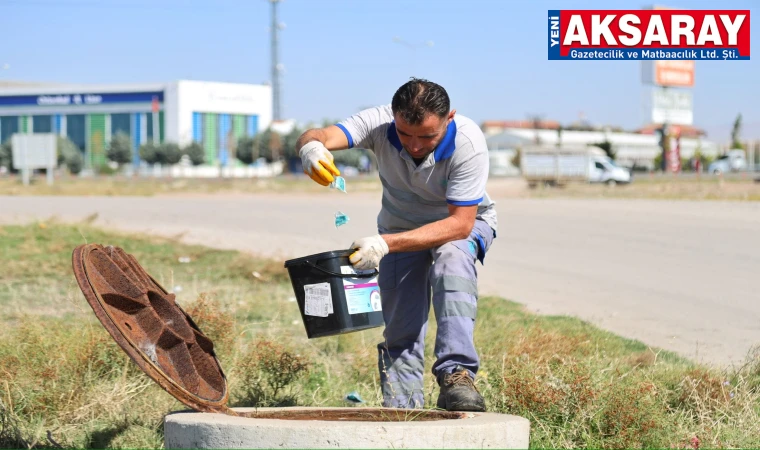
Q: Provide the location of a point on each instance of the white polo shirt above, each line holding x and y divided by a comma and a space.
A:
413, 196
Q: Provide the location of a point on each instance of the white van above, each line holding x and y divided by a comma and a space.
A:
556, 166
604, 170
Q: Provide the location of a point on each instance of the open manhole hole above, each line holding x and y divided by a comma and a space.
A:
163, 340
358, 415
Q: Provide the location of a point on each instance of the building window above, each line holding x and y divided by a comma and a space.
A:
149, 118
197, 127
149, 127
8, 127
120, 123
42, 124
75, 130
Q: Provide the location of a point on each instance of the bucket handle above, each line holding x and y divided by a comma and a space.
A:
343, 275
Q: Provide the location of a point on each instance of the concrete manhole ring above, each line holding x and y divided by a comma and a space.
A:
304, 427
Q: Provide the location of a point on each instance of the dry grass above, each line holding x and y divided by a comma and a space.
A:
60, 371
738, 187
139, 186
582, 387
661, 188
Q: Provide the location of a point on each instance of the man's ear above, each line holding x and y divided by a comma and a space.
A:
451, 116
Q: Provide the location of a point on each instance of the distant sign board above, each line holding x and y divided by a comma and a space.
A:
668, 73
672, 106
34, 151
80, 99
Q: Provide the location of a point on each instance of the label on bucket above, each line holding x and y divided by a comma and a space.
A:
362, 294
318, 300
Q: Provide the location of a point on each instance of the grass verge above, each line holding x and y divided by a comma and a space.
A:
146, 187
662, 187
63, 381
712, 188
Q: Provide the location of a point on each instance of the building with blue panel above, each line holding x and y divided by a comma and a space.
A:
180, 111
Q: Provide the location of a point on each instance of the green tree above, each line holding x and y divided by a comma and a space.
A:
607, 147
70, 155
350, 157
289, 143
169, 153
735, 133
149, 153
275, 147
195, 153
6, 155
270, 145
247, 150
120, 149
516, 160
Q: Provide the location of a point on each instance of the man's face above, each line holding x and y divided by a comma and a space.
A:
420, 140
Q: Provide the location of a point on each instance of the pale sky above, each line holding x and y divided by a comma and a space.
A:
340, 56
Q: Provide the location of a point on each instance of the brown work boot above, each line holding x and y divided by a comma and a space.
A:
458, 392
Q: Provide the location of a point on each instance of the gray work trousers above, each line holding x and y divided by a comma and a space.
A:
406, 281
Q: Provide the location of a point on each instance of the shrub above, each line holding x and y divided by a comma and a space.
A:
267, 372
195, 153
120, 149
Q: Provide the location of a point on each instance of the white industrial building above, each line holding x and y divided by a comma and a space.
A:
211, 113
629, 148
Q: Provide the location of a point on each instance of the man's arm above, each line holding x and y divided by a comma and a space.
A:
314, 147
332, 137
370, 250
457, 226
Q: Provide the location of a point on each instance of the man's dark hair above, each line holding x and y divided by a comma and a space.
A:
417, 98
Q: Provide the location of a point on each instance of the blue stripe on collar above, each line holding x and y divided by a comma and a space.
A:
393, 136
445, 148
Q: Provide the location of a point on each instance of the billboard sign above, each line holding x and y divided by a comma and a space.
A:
668, 73
672, 106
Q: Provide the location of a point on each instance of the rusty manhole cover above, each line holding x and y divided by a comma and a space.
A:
150, 326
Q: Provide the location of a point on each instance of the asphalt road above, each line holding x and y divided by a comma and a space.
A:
677, 275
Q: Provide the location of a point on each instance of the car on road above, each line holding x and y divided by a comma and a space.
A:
733, 161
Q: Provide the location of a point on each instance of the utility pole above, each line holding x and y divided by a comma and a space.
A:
276, 66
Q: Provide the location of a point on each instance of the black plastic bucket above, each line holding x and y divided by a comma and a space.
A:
333, 297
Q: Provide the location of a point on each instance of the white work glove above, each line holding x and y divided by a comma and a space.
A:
318, 163
369, 252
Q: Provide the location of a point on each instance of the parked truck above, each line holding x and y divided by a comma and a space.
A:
562, 165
